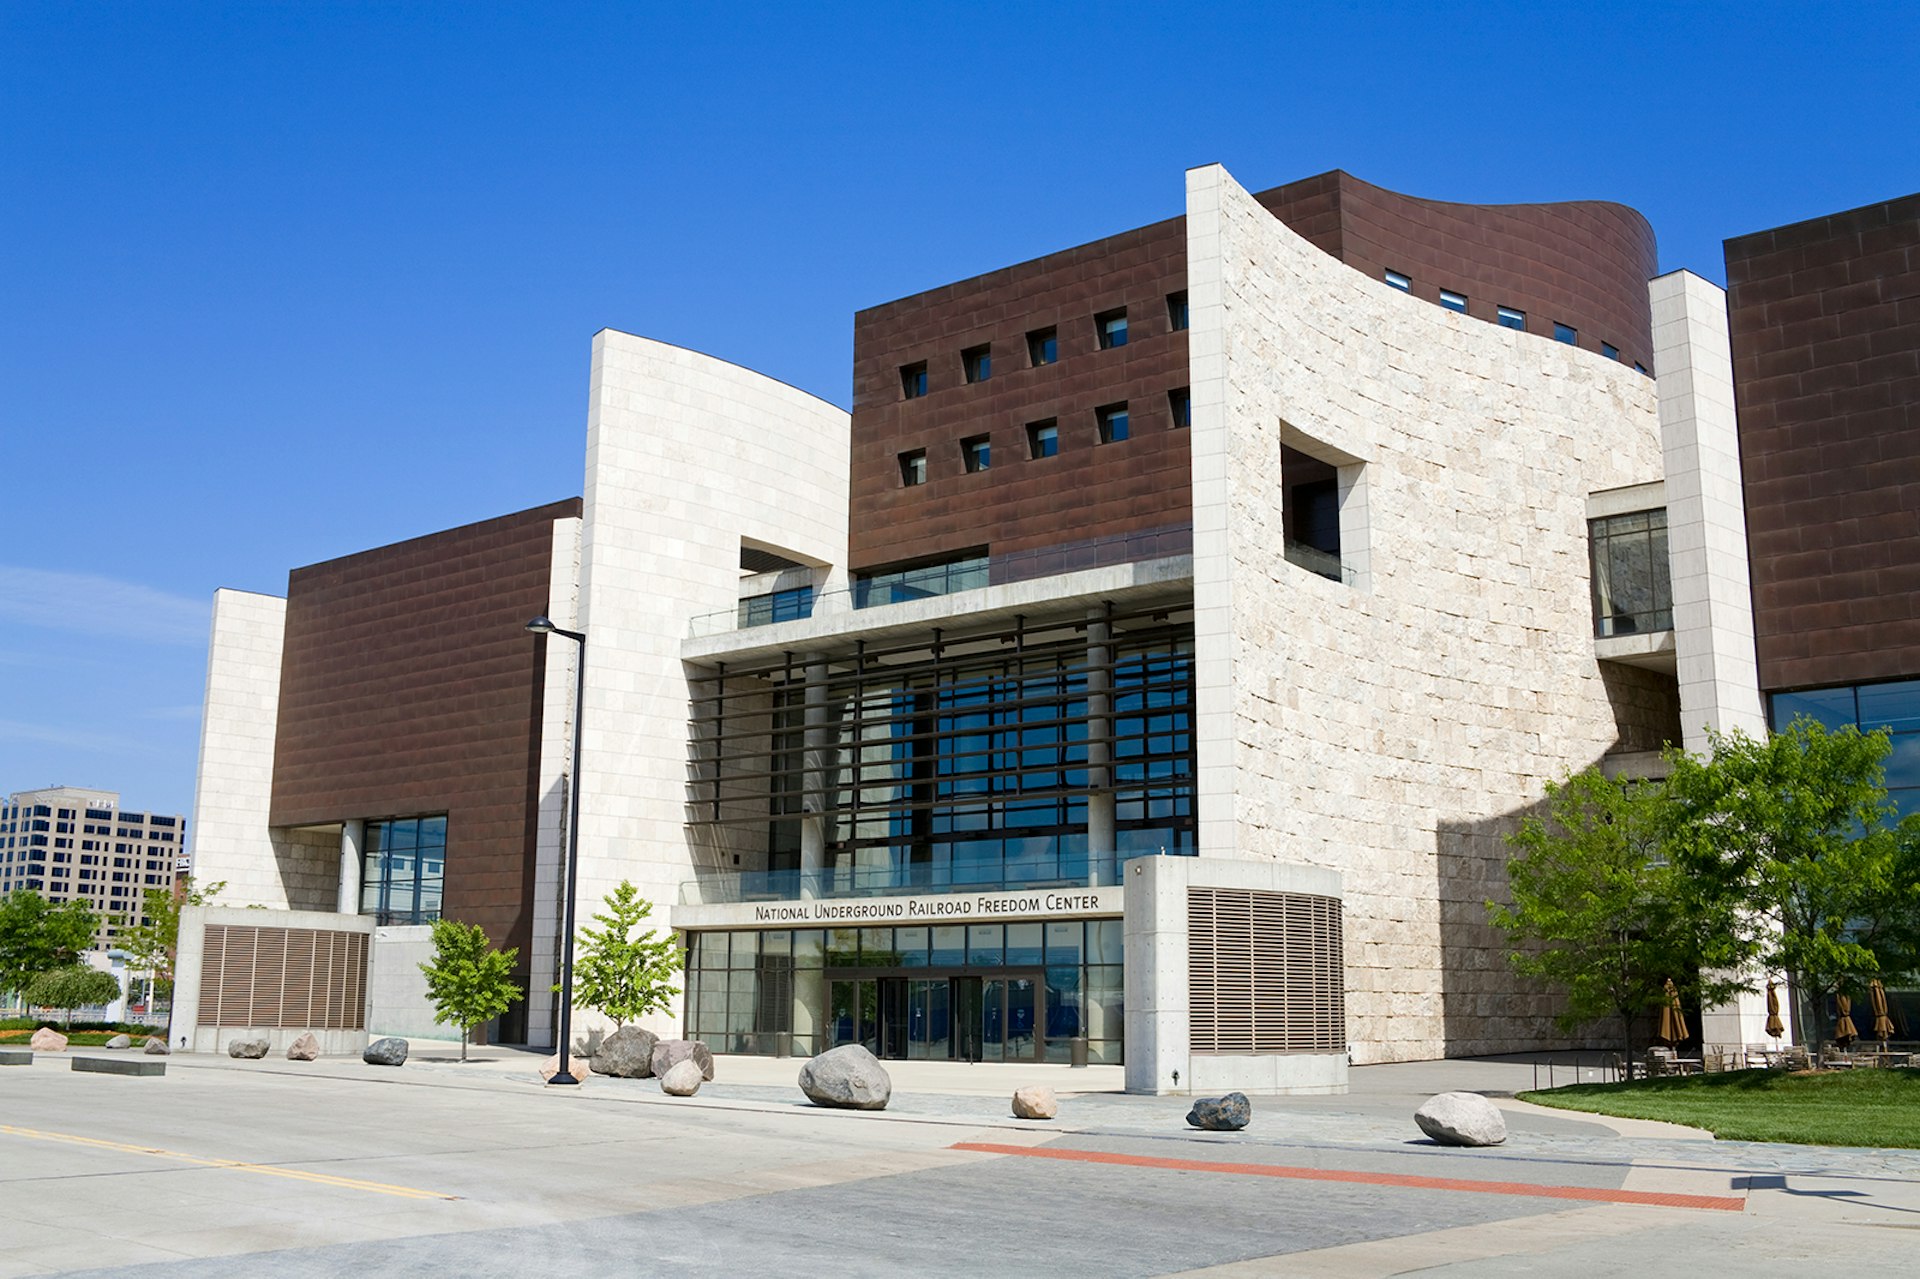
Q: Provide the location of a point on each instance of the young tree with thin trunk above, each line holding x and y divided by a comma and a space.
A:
623, 974
468, 980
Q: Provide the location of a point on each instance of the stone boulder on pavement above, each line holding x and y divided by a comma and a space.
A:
576, 1066
48, 1040
626, 1054
248, 1049
1462, 1119
385, 1052
682, 1079
155, 1047
1035, 1103
1221, 1114
669, 1053
119, 1041
847, 1078
305, 1048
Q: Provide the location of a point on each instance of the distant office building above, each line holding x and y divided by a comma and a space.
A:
69, 843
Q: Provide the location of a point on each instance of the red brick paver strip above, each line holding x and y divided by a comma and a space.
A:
1594, 1194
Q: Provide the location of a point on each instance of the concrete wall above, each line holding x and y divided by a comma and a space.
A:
686, 456
397, 1001
1394, 727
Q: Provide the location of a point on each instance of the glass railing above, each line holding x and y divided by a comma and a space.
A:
1068, 870
1313, 559
975, 573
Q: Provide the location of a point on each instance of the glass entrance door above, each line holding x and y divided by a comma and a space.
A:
986, 1018
1010, 1018
853, 1013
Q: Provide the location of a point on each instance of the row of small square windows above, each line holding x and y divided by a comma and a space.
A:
1112, 424
1508, 317
1043, 346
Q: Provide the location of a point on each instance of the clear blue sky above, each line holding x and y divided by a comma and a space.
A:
282, 282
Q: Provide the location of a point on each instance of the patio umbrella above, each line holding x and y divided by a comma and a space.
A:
1673, 1022
1775, 1027
1844, 1031
1882, 1024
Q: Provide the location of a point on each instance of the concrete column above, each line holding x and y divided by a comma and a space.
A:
353, 835
816, 767
1706, 510
1101, 836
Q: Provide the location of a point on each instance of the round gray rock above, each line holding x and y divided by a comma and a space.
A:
1462, 1119
305, 1048
846, 1078
251, 1049
627, 1053
155, 1047
385, 1052
682, 1079
120, 1041
669, 1053
1221, 1114
1035, 1103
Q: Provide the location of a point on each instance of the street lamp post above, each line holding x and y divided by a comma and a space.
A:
543, 625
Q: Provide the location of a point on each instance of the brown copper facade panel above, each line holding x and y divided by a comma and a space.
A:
1583, 264
1825, 321
409, 686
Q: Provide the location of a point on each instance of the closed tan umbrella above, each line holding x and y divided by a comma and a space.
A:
1673, 1022
1882, 1024
1775, 1027
1844, 1031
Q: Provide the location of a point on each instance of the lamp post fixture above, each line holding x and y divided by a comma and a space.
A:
543, 625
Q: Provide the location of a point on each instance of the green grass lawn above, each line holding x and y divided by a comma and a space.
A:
1823, 1108
75, 1039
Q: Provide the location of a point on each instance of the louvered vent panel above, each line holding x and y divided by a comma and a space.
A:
1266, 972
264, 978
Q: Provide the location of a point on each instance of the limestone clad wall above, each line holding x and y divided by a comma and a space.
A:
1394, 726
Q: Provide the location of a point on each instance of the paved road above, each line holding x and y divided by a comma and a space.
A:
225, 1168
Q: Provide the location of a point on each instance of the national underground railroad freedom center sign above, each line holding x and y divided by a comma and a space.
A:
928, 908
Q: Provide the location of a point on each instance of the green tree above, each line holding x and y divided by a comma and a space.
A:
468, 981
1598, 911
152, 945
625, 976
71, 987
1798, 823
37, 936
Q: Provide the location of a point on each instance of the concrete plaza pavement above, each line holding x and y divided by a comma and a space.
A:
331, 1167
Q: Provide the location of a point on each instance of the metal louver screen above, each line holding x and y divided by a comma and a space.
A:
1265, 972
309, 978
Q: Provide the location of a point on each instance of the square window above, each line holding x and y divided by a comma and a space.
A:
1639, 367
1453, 301
1512, 319
1565, 333
1043, 438
1177, 310
913, 468
1397, 280
1113, 423
913, 380
1043, 347
978, 363
1609, 350
976, 453
1180, 405
1112, 327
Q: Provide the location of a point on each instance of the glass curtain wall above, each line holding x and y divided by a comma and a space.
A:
1894, 705
405, 870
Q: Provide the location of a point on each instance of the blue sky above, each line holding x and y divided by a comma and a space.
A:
282, 282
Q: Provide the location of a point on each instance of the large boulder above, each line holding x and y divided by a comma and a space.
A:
120, 1041
1221, 1114
155, 1047
390, 1051
847, 1078
682, 1079
305, 1048
1035, 1103
669, 1053
1462, 1119
48, 1040
627, 1053
249, 1049
576, 1066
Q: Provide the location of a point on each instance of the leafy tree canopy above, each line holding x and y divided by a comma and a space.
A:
153, 946
37, 936
71, 987
468, 981
623, 974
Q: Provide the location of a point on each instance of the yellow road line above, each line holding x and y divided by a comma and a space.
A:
266, 1170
